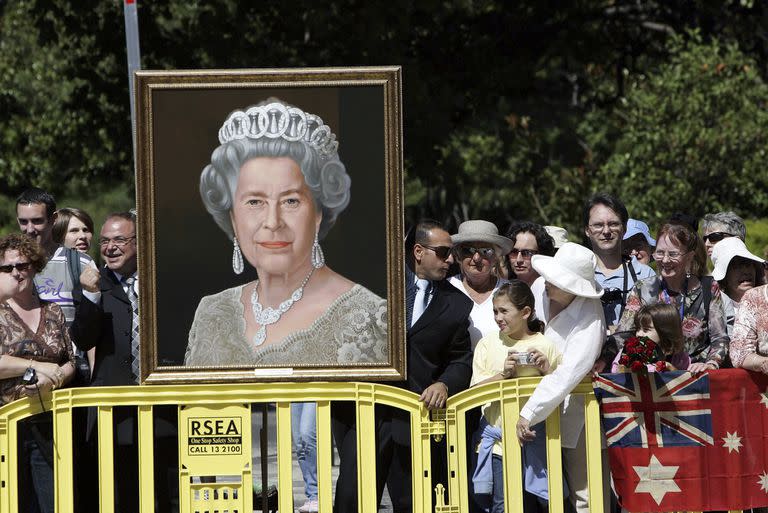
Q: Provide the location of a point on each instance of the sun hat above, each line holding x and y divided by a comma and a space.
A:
725, 251
635, 226
572, 269
482, 231
559, 235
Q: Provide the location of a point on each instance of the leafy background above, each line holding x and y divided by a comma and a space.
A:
512, 110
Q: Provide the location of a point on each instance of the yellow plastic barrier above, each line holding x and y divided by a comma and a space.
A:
225, 448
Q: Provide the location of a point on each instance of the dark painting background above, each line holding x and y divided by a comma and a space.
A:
194, 257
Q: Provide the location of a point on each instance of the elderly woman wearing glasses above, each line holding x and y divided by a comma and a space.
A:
681, 262
275, 186
477, 247
35, 359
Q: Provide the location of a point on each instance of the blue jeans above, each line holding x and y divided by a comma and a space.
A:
497, 506
42, 479
304, 433
531, 503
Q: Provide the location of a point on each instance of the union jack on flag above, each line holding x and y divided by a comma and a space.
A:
665, 409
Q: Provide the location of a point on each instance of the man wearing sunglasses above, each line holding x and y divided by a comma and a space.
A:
605, 223
721, 225
439, 364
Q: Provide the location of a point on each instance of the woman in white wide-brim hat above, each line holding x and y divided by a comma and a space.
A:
736, 271
576, 324
477, 248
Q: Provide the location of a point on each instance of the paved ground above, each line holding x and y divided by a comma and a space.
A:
298, 482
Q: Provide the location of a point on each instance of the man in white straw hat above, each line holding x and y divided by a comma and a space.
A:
736, 271
477, 248
576, 324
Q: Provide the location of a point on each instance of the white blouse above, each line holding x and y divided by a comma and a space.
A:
481, 321
578, 332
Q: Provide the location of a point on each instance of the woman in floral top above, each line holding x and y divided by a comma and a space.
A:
681, 262
33, 338
749, 348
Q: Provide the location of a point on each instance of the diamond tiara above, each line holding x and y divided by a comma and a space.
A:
275, 120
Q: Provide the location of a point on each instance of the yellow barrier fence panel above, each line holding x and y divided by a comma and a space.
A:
555, 463
456, 433
5, 459
421, 457
106, 461
10, 463
593, 434
324, 457
215, 471
512, 455
146, 460
62, 454
284, 457
366, 449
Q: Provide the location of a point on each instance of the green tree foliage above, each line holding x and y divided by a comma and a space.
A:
511, 109
692, 134
63, 96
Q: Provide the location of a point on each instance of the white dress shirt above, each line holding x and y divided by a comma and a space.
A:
578, 332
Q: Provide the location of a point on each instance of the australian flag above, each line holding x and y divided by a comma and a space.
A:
663, 409
684, 442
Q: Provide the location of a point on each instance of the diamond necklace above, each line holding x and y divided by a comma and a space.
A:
271, 315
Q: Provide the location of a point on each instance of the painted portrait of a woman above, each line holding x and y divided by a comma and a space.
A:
275, 186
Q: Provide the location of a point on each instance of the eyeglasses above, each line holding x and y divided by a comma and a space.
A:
442, 252
525, 253
117, 241
673, 256
716, 237
21, 267
614, 226
469, 252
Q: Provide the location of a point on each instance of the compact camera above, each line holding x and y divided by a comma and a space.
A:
29, 377
523, 358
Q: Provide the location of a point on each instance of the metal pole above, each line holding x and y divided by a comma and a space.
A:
134, 58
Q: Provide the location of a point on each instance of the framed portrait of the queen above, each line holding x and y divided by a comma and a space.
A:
270, 225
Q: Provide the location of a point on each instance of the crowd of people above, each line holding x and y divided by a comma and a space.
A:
541, 305
480, 307
65, 322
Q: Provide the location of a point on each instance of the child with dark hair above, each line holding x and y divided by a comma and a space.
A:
518, 349
660, 322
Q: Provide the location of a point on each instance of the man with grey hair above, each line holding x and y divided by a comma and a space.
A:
716, 227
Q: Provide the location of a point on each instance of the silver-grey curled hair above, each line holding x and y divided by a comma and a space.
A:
324, 173
729, 220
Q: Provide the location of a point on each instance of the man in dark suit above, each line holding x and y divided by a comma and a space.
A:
117, 363
439, 364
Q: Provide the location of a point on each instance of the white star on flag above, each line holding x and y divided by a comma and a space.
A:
763, 482
764, 398
732, 442
657, 479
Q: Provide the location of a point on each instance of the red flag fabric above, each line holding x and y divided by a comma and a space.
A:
679, 442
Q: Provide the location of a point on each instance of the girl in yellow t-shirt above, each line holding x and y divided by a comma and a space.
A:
518, 349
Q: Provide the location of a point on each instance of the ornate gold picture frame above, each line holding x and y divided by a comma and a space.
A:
185, 254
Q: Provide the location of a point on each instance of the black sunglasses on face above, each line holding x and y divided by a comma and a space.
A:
21, 267
442, 252
469, 252
716, 237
